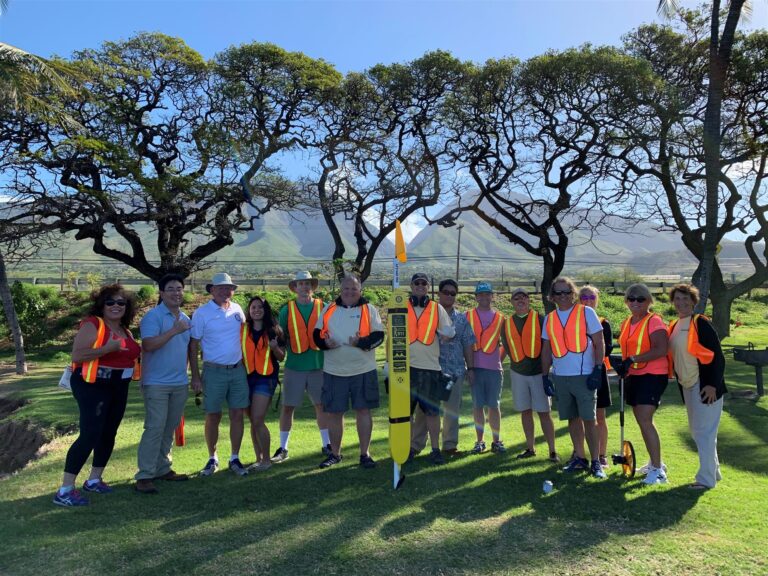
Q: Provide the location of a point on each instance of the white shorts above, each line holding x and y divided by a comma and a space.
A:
528, 393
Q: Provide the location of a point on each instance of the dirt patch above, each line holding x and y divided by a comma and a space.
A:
21, 438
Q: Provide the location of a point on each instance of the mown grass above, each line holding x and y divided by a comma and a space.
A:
476, 515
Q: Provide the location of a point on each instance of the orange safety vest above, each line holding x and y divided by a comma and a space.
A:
299, 331
527, 345
418, 329
703, 355
256, 356
639, 342
606, 360
486, 340
365, 321
91, 367
569, 338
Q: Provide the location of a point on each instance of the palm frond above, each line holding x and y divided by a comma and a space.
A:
667, 8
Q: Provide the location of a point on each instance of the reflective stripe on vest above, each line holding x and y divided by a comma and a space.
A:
569, 338
695, 349
527, 345
299, 331
486, 339
90, 368
256, 356
637, 342
422, 331
365, 321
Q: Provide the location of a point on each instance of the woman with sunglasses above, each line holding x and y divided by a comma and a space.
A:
699, 365
104, 359
643, 341
590, 296
263, 349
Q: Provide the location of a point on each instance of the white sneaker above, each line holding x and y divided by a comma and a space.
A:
643, 470
655, 476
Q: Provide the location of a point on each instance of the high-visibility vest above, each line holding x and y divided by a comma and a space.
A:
637, 342
257, 356
365, 321
424, 328
486, 339
572, 337
527, 344
299, 331
606, 360
91, 367
703, 355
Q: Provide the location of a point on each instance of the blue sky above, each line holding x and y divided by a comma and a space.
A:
351, 34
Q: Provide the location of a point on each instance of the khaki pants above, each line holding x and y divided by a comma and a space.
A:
164, 406
451, 410
703, 422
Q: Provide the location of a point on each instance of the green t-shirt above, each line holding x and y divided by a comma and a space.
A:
527, 366
309, 360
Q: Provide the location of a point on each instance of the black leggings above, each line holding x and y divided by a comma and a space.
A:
102, 405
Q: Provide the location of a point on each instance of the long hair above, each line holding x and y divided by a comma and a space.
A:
111, 291
268, 324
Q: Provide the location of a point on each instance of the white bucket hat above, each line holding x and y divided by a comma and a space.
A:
220, 279
303, 275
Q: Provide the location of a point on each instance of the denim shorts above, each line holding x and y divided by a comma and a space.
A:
262, 385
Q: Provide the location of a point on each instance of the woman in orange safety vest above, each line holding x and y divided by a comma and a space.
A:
104, 359
643, 341
263, 348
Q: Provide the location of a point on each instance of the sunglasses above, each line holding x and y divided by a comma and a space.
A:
420, 283
640, 299
589, 297
111, 302
562, 292
445, 293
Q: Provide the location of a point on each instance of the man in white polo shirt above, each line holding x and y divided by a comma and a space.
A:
216, 327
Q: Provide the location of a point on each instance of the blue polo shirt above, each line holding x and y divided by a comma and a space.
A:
165, 366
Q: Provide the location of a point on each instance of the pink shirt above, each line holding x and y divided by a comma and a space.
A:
491, 361
659, 365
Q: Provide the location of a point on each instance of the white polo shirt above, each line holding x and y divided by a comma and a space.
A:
218, 330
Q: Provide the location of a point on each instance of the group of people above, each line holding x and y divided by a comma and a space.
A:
328, 350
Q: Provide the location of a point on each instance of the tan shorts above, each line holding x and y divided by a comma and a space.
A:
296, 382
528, 393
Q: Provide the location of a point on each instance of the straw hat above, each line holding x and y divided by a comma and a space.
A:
220, 279
303, 275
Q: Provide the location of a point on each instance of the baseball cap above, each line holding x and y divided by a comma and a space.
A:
517, 291
483, 287
419, 276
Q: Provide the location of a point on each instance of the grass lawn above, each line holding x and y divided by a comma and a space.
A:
476, 515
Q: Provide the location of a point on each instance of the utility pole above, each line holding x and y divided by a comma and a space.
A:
61, 269
458, 251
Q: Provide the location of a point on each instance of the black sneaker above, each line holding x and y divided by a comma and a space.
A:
436, 457
327, 450
411, 456
330, 461
367, 462
527, 454
281, 455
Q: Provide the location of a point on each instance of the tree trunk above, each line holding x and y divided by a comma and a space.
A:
13, 320
722, 299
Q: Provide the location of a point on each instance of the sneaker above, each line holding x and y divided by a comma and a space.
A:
145, 486
260, 466
554, 457
280, 455
527, 454
210, 467
479, 448
643, 470
172, 476
70, 499
577, 464
596, 470
330, 461
327, 450
237, 467
99, 487
436, 457
411, 455
367, 462
655, 476
604, 462
498, 447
